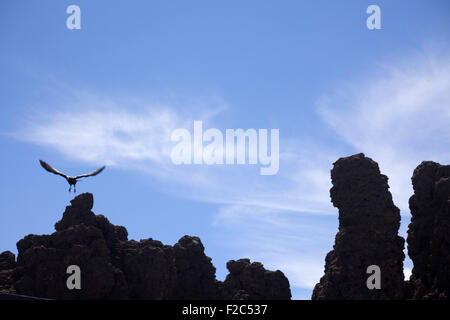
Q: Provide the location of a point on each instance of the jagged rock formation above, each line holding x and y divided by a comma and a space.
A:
250, 281
429, 232
368, 227
114, 267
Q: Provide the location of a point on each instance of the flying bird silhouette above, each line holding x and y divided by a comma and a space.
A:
71, 180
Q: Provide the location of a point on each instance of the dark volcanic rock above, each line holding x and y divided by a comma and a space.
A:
7, 260
43, 260
149, 269
428, 233
7, 266
250, 281
113, 267
368, 227
196, 276
81, 239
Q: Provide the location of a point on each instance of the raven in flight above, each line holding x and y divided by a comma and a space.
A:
71, 180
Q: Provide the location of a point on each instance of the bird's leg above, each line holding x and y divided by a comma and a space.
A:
70, 187
74, 189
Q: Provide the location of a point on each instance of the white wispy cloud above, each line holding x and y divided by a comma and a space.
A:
138, 138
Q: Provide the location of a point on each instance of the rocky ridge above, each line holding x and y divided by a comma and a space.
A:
114, 267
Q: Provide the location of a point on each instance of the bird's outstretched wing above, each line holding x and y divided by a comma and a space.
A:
49, 168
90, 174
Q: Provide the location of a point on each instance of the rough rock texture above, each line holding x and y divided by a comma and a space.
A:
368, 226
148, 268
81, 239
196, 276
7, 266
113, 267
429, 232
250, 281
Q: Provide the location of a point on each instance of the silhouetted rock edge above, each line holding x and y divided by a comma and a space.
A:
113, 267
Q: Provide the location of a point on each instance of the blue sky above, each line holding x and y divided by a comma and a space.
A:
112, 92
